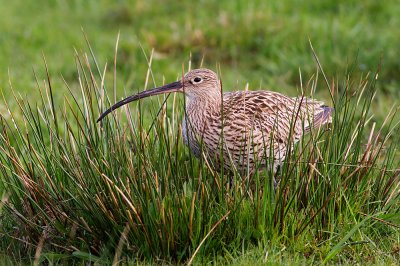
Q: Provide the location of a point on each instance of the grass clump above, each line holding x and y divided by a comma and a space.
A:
128, 190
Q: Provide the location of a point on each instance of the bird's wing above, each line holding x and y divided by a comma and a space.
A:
271, 113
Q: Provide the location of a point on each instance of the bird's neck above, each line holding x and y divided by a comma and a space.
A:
201, 106
201, 111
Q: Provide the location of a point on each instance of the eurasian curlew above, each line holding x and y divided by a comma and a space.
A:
239, 129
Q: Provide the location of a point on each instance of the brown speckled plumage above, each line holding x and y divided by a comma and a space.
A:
249, 126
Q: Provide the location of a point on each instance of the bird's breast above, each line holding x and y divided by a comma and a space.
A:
189, 133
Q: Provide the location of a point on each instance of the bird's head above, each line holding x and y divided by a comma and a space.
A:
196, 84
201, 83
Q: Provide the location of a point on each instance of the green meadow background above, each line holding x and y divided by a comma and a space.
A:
265, 44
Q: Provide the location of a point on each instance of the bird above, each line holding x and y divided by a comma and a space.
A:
239, 131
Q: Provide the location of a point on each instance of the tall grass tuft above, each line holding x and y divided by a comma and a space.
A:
129, 188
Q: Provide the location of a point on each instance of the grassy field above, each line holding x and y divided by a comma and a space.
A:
72, 191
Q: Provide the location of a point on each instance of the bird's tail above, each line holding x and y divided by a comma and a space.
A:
323, 115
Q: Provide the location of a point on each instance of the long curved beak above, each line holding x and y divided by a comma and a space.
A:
172, 87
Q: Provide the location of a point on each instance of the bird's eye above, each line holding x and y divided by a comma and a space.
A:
197, 80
